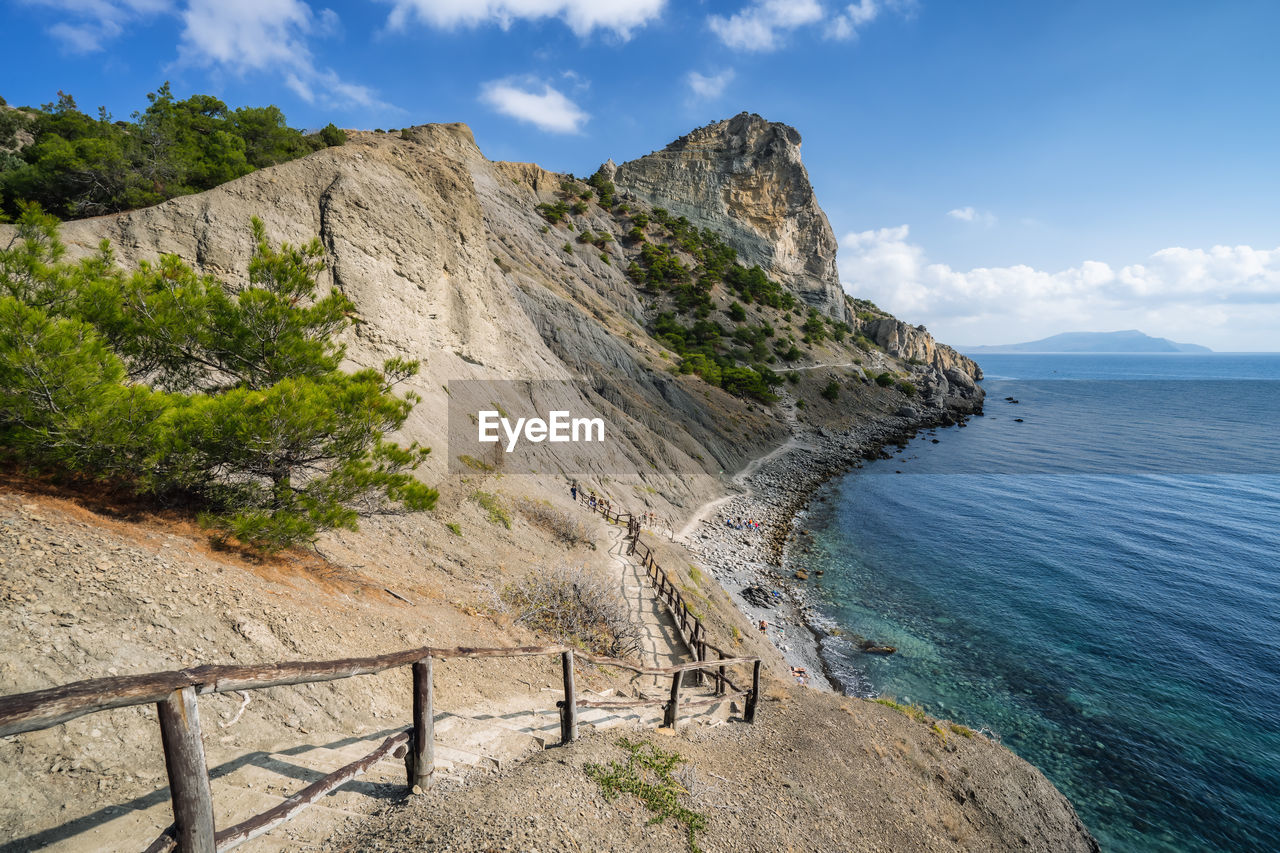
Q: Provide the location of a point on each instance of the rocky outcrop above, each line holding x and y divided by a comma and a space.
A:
915, 344
743, 177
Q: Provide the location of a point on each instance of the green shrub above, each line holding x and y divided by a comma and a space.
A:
647, 775
492, 505
831, 391
553, 213
907, 388
884, 380
604, 188
332, 136
737, 313
454, 528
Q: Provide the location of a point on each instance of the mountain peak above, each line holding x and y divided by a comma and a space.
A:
742, 176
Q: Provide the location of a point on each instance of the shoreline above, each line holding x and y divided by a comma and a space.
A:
762, 564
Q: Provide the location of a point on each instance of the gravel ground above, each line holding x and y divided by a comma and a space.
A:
775, 495
896, 784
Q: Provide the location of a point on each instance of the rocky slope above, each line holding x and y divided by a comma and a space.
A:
893, 784
448, 261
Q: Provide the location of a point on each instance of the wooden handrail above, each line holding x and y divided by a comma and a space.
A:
175, 694
41, 709
691, 629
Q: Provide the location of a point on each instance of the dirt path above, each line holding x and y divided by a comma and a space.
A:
739, 480
660, 643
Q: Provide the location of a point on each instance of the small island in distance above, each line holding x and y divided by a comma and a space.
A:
1128, 341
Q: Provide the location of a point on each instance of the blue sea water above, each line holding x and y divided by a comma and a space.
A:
1097, 585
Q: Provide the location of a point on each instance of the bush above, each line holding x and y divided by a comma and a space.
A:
907, 388
180, 386
568, 529
553, 213
831, 391
332, 136
492, 505
737, 313
578, 607
604, 187
884, 380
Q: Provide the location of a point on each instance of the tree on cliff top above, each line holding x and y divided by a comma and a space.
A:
192, 389
78, 165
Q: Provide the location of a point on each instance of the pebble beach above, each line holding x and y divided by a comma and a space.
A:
761, 566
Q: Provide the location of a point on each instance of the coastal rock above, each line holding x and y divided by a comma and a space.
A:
914, 343
743, 177
758, 595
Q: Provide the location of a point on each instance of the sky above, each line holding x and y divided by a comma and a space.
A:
998, 171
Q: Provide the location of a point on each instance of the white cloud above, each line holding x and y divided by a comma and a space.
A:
855, 16
245, 36
92, 23
709, 86
1226, 296
761, 25
547, 109
969, 214
621, 17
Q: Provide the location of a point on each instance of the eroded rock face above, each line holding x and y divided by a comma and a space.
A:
914, 343
743, 177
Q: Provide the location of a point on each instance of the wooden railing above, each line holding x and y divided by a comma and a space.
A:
175, 693
693, 633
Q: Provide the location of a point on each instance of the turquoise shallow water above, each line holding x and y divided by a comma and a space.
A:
1098, 586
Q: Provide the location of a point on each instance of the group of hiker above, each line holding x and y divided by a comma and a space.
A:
647, 518
740, 523
590, 498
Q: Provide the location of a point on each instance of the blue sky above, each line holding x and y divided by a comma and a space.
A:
998, 170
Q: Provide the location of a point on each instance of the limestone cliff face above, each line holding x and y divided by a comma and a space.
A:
913, 343
448, 261
743, 177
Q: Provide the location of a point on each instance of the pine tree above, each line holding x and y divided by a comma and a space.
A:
185, 385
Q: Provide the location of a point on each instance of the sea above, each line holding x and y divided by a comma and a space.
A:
1090, 573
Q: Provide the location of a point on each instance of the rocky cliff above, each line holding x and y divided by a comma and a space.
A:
449, 261
743, 177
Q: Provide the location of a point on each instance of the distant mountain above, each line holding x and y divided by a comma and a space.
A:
1098, 342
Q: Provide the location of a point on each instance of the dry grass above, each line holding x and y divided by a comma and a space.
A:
566, 528
578, 607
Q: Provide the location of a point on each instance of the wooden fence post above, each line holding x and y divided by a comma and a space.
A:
749, 713
422, 764
569, 709
188, 771
673, 706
